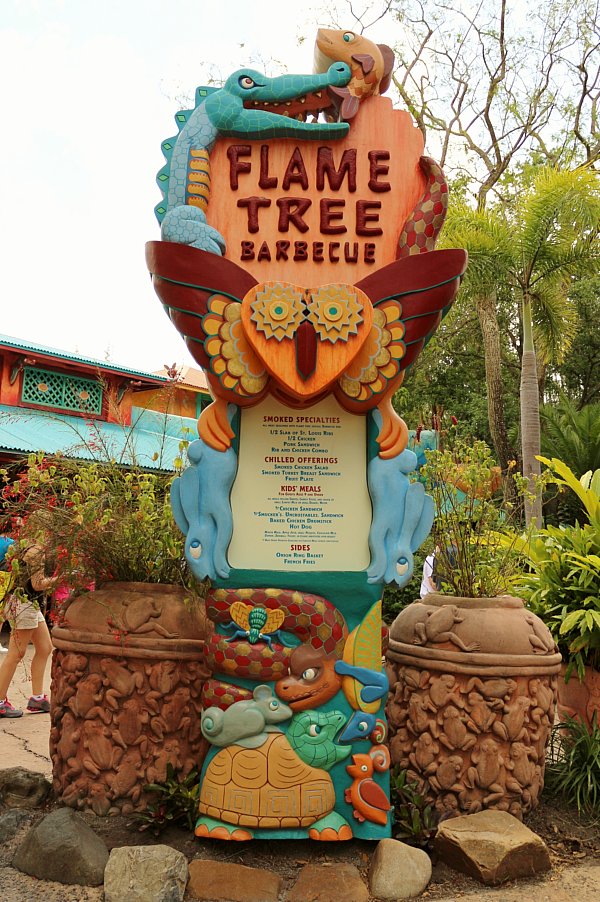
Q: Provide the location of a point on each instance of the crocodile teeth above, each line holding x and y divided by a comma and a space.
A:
288, 103
318, 94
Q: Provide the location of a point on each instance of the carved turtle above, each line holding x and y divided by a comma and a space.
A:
282, 784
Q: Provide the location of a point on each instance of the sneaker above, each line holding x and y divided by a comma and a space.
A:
38, 705
7, 710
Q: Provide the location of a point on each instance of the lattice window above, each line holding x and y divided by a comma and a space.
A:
59, 390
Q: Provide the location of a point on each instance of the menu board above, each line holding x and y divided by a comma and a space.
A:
300, 497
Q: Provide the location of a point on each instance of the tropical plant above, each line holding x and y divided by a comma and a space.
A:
98, 522
579, 375
546, 239
572, 434
175, 802
415, 819
563, 584
474, 553
573, 765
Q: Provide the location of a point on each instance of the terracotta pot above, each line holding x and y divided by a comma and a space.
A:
580, 698
127, 674
472, 700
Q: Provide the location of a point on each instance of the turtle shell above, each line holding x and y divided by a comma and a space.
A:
267, 787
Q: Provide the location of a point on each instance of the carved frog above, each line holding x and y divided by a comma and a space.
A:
437, 627
454, 733
122, 682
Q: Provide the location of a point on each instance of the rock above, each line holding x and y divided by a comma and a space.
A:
22, 788
145, 874
492, 846
213, 881
13, 826
319, 883
63, 848
398, 871
11, 822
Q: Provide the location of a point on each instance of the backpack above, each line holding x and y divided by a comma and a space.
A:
6, 577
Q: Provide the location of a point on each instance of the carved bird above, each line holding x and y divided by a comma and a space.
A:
369, 801
301, 343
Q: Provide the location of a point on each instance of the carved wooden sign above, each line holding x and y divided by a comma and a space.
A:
306, 209
297, 261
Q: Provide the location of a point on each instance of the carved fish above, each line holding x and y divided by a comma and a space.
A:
371, 66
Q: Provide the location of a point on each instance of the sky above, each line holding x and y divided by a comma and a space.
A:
89, 90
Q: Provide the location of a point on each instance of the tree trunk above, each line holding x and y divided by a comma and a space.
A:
530, 419
490, 331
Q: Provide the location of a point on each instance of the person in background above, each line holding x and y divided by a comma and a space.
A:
23, 612
428, 583
5, 577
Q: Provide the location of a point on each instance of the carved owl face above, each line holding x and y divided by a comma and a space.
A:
306, 338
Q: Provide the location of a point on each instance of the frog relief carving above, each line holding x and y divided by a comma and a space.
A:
120, 682
521, 765
454, 733
512, 725
437, 626
485, 772
540, 637
542, 698
497, 687
141, 617
128, 780
482, 714
441, 689
100, 751
447, 774
174, 715
419, 718
424, 754
84, 704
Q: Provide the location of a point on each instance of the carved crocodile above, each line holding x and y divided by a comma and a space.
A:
249, 105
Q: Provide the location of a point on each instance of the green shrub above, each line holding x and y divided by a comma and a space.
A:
563, 585
415, 819
573, 765
175, 802
97, 521
475, 556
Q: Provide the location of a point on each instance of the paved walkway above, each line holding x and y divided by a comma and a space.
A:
24, 740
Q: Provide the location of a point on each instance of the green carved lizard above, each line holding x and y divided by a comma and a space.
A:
249, 105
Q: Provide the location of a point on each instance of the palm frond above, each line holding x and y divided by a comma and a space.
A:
554, 319
560, 209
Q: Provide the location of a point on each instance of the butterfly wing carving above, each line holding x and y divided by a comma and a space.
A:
240, 614
202, 294
410, 297
214, 304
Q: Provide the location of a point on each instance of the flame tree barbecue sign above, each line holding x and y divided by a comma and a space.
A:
298, 218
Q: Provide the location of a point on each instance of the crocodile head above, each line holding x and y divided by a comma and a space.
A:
252, 105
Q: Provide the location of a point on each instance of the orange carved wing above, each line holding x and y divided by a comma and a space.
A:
409, 297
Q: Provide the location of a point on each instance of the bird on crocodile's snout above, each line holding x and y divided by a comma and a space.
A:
371, 66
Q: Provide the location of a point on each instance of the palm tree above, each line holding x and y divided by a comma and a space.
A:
488, 240
538, 247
